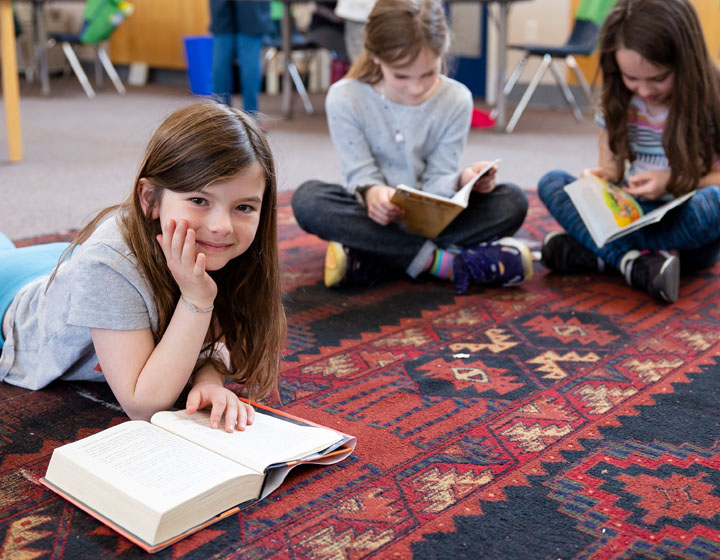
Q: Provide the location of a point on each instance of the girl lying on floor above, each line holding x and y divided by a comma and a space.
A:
178, 285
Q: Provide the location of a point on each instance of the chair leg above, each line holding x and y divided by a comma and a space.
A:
300, 87
110, 69
572, 63
270, 63
26, 70
569, 97
515, 76
532, 86
77, 68
99, 78
512, 80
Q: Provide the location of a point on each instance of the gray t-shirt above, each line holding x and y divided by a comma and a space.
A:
100, 286
381, 142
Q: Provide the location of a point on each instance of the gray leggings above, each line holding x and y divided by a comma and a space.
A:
328, 211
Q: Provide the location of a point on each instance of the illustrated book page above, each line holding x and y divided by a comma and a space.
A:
610, 212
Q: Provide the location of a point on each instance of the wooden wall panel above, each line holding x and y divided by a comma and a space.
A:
709, 13
153, 33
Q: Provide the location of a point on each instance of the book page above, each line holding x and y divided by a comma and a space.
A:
605, 209
610, 212
651, 217
425, 214
462, 196
151, 463
267, 441
428, 214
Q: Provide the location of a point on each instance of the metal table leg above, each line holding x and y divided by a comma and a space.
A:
501, 117
287, 53
40, 45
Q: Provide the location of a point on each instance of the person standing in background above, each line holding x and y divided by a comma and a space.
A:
355, 13
238, 29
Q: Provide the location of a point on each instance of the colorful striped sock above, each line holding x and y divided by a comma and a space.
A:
440, 264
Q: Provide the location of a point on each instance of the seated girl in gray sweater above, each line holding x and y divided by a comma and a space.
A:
397, 120
176, 286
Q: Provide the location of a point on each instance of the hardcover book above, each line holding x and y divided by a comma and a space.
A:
157, 482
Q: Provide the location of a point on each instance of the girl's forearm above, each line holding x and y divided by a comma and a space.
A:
208, 374
608, 161
170, 365
712, 178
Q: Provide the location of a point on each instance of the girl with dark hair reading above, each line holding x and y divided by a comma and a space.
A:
660, 139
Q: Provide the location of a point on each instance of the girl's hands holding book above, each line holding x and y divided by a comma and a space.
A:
208, 391
650, 185
380, 209
486, 183
187, 265
598, 172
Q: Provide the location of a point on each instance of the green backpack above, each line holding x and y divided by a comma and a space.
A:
594, 10
102, 17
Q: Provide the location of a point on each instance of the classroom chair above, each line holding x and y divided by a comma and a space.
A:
101, 18
324, 32
581, 42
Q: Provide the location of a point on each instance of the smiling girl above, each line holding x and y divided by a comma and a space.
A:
396, 119
660, 139
176, 286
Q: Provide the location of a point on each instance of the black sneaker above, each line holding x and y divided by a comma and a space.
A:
563, 253
346, 267
657, 272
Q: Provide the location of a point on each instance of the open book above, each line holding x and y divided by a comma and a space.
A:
428, 214
159, 481
609, 212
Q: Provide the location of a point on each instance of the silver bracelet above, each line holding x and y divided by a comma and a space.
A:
195, 308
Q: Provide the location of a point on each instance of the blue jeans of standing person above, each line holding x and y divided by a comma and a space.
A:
693, 228
328, 211
247, 49
20, 266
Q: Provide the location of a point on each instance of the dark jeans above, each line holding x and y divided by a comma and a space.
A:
328, 211
248, 48
693, 228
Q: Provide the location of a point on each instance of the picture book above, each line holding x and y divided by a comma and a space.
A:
610, 212
429, 214
157, 482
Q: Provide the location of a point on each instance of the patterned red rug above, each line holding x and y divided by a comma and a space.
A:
572, 417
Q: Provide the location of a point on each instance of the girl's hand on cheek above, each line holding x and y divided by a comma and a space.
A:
186, 265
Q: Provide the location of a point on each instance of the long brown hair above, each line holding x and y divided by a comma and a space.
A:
666, 33
396, 31
194, 147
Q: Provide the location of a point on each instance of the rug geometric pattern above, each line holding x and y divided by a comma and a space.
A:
571, 417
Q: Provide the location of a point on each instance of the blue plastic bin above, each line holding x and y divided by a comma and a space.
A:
198, 56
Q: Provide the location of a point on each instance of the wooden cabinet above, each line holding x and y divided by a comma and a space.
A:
153, 33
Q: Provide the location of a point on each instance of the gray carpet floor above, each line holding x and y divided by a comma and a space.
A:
80, 155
